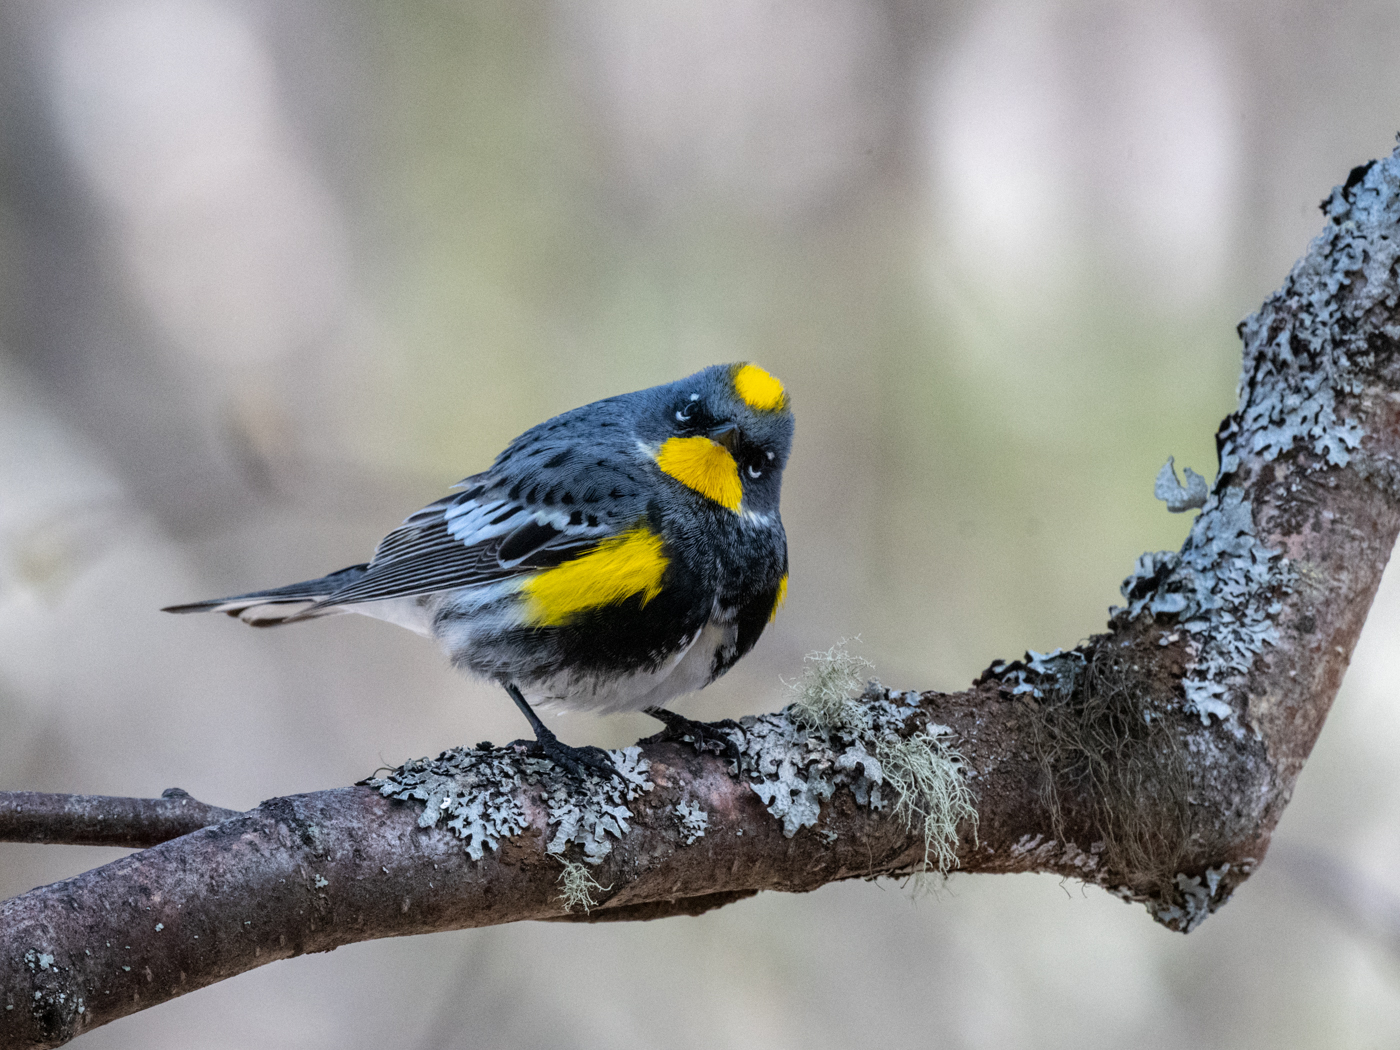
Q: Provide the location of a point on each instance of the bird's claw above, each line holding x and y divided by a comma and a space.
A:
705, 737
579, 762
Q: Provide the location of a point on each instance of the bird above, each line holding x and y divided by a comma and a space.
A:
612, 558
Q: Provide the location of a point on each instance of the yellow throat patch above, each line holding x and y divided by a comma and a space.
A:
630, 563
759, 390
705, 466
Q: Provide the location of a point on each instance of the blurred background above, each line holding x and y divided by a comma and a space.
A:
275, 274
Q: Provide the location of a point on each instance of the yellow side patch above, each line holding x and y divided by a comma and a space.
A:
781, 597
759, 390
705, 466
613, 571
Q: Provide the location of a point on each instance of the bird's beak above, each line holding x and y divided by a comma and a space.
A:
726, 434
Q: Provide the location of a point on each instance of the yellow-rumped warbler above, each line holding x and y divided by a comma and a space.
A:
611, 559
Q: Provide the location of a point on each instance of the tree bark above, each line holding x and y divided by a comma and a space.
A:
1154, 760
103, 820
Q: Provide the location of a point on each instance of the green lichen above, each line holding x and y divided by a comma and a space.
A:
930, 791
827, 690
578, 887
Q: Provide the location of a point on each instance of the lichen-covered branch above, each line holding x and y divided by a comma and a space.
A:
1153, 760
103, 820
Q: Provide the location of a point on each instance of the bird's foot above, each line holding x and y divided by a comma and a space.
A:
577, 761
706, 737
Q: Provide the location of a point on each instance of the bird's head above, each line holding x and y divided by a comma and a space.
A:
724, 432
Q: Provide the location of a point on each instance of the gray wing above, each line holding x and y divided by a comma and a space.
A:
543, 502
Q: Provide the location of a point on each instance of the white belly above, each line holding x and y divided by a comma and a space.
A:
688, 670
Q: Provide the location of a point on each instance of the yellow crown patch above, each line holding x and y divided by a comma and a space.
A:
759, 390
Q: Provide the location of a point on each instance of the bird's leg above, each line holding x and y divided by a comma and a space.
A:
705, 736
572, 759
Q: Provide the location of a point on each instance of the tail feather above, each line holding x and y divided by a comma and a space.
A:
278, 605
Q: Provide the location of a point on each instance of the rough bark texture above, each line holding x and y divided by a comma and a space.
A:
1154, 760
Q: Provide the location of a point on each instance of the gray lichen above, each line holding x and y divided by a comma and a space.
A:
1222, 588
692, 820
1304, 356
1177, 497
1041, 674
1200, 895
474, 790
1297, 374
827, 739
597, 814
477, 791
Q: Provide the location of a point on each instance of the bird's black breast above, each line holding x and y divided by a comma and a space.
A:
634, 635
713, 569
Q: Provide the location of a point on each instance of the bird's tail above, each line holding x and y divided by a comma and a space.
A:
296, 601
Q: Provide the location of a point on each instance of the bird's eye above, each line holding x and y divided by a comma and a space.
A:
754, 472
683, 416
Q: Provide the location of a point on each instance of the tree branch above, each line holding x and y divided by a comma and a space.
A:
1154, 760
104, 820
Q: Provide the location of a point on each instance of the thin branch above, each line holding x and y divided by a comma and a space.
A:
104, 820
1154, 760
